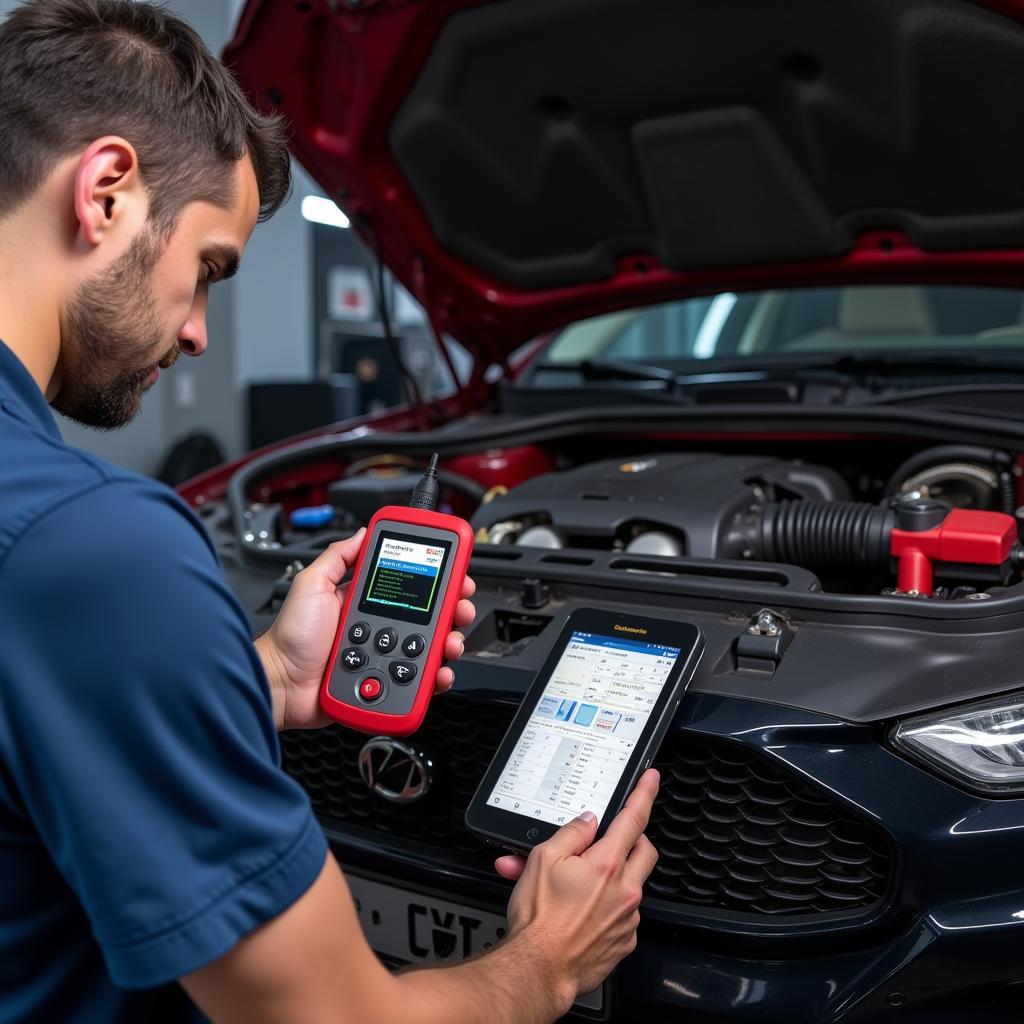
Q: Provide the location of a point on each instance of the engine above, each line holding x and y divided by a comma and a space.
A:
763, 509
690, 504
941, 524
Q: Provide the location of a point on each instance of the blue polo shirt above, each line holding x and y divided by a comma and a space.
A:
145, 823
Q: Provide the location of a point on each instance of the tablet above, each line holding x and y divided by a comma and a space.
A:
589, 726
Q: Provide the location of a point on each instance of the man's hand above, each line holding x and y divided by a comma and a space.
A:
573, 917
578, 900
295, 649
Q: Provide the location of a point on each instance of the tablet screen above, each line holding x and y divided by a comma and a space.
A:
579, 738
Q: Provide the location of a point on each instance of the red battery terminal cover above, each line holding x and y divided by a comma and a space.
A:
965, 536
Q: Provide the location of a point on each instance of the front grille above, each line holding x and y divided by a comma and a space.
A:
737, 832
734, 831
461, 737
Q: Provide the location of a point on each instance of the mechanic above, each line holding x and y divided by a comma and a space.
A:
154, 856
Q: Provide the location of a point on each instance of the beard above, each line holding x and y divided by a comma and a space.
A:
109, 330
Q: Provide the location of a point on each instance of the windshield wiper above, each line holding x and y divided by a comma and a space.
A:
688, 388
786, 379
861, 366
608, 369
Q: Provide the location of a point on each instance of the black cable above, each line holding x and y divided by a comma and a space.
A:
412, 390
1007, 493
424, 494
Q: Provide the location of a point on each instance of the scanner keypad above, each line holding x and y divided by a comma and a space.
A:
379, 658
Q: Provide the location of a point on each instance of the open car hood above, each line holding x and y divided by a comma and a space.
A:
524, 163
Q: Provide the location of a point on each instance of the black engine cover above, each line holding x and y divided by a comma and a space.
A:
695, 498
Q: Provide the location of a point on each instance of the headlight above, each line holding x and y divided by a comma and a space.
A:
981, 744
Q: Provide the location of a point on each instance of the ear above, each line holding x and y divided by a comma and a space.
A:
106, 183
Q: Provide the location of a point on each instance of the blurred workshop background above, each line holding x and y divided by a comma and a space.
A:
295, 340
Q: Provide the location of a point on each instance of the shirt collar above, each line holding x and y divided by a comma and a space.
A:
17, 385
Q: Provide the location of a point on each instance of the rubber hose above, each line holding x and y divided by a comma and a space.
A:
947, 453
827, 534
458, 482
1007, 493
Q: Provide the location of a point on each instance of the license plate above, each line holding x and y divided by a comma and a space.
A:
415, 928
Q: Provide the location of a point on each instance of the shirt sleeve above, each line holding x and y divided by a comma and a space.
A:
137, 728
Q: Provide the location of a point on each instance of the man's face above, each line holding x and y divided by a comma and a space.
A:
148, 306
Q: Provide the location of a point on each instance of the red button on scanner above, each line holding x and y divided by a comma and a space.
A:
370, 689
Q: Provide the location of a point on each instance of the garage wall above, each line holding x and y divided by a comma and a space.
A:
259, 322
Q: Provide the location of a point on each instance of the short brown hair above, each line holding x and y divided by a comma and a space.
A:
74, 70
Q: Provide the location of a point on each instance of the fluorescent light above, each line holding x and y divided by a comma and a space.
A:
323, 211
705, 343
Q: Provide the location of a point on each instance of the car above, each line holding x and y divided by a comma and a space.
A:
741, 286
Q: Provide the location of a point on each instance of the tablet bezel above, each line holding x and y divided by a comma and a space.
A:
518, 832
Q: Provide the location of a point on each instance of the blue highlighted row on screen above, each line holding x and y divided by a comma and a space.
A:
397, 604
422, 570
632, 646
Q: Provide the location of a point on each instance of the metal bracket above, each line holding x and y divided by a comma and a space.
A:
760, 647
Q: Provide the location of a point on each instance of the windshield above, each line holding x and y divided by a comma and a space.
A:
788, 324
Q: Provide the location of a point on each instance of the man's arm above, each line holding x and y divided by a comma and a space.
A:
311, 965
573, 917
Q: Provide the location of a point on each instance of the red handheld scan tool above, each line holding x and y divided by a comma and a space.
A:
398, 612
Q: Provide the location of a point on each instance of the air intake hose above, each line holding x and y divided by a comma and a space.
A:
827, 534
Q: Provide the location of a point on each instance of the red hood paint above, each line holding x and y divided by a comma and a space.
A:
340, 69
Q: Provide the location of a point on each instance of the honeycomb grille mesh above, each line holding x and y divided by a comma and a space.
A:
734, 831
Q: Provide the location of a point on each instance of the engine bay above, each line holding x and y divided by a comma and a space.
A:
841, 523
788, 563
